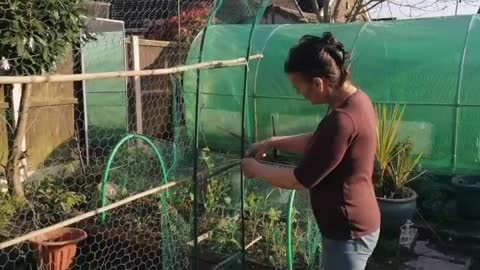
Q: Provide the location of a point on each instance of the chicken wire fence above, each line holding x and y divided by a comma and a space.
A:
57, 148
68, 146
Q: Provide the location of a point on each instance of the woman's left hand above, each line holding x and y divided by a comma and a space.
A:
251, 167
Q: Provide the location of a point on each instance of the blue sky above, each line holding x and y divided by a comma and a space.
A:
426, 8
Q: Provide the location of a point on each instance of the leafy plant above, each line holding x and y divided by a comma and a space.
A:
217, 187
255, 207
9, 206
217, 194
388, 133
402, 168
226, 235
181, 198
271, 223
36, 35
397, 166
277, 245
183, 27
275, 233
311, 246
298, 234
52, 200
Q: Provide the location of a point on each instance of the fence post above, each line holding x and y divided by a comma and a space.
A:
135, 52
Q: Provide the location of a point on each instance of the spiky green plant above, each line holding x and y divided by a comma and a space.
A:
402, 168
388, 132
396, 164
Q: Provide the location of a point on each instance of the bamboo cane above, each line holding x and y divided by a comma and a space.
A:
122, 74
89, 214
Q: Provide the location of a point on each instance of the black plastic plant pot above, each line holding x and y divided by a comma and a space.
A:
395, 212
467, 189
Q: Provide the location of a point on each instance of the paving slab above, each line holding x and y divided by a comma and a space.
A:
427, 263
430, 259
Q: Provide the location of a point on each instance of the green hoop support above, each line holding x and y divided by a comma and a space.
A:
112, 156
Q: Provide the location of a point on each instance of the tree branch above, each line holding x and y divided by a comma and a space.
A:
422, 5
352, 15
317, 10
336, 11
359, 8
16, 153
326, 11
300, 10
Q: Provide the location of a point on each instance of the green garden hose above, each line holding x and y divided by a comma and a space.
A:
166, 258
289, 230
111, 158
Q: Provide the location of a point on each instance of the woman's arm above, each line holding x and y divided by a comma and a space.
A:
327, 151
276, 176
295, 144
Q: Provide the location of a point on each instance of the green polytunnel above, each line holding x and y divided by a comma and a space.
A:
429, 65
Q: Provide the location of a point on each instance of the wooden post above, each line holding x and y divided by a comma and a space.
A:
135, 52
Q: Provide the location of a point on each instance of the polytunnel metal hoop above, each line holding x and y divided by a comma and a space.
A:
245, 107
218, 4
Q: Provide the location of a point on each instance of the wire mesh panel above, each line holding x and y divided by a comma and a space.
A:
270, 219
58, 137
442, 143
87, 161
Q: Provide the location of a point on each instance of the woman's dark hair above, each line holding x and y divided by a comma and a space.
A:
322, 57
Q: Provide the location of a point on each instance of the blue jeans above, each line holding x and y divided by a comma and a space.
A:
348, 254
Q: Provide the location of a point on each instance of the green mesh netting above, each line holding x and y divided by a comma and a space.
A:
238, 12
435, 77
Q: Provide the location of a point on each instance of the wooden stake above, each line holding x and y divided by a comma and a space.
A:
253, 242
135, 49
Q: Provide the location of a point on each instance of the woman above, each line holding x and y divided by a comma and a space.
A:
338, 158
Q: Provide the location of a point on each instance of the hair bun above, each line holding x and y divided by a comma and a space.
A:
328, 43
329, 39
335, 47
311, 38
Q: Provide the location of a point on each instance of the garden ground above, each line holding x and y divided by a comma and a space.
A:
454, 245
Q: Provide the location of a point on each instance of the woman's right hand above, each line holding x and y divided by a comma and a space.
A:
258, 150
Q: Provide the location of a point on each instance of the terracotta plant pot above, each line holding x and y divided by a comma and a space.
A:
55, 250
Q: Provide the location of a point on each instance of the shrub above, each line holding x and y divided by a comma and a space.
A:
192, 20
9, 206
36, 34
